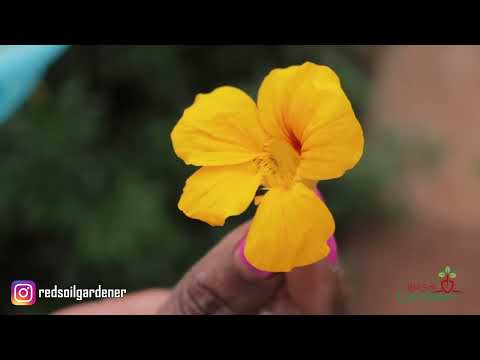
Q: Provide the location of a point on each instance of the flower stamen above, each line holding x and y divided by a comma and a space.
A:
278, 164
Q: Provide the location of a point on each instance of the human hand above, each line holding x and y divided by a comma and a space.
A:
223, 282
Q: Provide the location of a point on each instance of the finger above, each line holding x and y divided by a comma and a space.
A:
342, 303
282, 304
316, 289
223, 282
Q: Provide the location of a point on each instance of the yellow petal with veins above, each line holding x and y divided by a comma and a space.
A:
306, 106
331, 148
214, 193
286, 99
290, 229
220, 128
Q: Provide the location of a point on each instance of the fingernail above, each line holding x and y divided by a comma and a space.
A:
252, 269
319, 194
332, 257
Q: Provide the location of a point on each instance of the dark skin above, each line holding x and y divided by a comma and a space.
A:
221, 283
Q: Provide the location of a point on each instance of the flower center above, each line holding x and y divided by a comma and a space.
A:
278, 163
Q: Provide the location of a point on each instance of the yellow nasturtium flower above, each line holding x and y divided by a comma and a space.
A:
302, 130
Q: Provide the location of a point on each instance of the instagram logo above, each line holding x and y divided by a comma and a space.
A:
24, 292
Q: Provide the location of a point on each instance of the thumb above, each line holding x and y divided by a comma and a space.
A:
223, 282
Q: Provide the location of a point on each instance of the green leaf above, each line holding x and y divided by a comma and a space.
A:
447, 269
441, 274
453, 275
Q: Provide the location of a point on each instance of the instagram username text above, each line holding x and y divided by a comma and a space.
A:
80, 294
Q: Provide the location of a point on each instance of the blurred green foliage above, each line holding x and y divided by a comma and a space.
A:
89, 181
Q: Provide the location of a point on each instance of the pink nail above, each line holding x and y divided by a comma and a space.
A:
258, 273
332, 257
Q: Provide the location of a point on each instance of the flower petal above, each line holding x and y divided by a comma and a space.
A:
331, 148
220, 128
307, 106
214, 193
273, 99
332, 258
290, 229
288, 98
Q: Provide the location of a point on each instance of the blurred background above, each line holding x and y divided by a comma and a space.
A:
89, 181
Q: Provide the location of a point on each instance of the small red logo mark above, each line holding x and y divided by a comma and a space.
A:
447, 284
